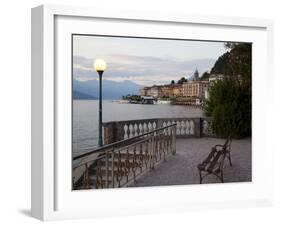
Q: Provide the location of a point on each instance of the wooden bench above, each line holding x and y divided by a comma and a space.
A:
214, 163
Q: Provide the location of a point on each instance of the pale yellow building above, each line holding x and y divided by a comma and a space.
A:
177, 90
166, 91
162, 90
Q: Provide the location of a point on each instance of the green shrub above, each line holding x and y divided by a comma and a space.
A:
229, 105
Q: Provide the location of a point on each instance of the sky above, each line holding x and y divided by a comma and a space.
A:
141, 60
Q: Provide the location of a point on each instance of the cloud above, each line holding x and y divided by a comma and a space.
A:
139, 69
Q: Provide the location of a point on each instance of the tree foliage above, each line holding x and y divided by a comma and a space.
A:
205, 76
235, 62
229, 106
132, 97
221, 65
229, 102
182, 80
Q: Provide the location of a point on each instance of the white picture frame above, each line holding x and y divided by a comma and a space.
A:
51, 197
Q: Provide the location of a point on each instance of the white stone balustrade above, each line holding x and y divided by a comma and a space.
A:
186, 127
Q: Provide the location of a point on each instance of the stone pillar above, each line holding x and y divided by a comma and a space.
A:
110, 131
119, 131
197, 127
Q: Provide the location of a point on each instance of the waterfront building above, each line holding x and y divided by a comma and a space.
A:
166, 90
212, 79
204, 89
215, 77
148, 92
155, 91
143, 91
162, 90
177, 90
195, 88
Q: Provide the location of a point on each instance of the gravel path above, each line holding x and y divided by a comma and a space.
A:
181, 168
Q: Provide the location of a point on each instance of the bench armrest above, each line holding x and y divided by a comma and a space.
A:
219, 147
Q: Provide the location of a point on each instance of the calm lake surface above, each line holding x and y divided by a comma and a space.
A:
85, 118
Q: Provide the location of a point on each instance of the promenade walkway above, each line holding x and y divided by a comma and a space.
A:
182, 168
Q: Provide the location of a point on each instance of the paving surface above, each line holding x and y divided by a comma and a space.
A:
182, 169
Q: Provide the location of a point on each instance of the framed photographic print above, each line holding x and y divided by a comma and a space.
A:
144, 113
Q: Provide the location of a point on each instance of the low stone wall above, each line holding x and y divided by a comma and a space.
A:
186, 128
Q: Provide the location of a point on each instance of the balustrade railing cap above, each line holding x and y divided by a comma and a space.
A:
156, 119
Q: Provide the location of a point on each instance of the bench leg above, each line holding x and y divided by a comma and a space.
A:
200, 175
229, 159
222, 180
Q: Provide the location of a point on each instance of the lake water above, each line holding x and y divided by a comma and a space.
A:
85, 118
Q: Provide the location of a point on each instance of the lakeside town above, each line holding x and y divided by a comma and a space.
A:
192, 92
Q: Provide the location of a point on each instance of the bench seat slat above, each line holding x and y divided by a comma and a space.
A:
212, 162
203, 165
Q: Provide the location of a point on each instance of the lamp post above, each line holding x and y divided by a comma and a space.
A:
100, 66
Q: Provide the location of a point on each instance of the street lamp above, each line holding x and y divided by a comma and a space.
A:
100, 66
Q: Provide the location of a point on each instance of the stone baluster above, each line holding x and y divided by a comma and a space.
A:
178, 127
187, 127
182, 127
191, 130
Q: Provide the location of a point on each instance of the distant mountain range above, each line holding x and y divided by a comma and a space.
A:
111, 90
76, 95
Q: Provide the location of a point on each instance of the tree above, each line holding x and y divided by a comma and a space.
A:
173, 82
205, 75
240, 60
230, 102
236, 62
221, 65
182, 80
229, 106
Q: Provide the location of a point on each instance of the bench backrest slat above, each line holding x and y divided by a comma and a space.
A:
215, 161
